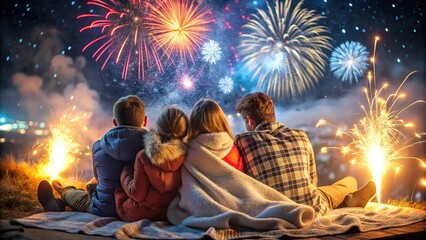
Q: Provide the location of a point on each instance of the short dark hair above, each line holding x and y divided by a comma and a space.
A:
129, 110
259, 106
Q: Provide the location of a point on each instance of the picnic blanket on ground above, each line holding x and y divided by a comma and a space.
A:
373, 217
213, 193
218, 201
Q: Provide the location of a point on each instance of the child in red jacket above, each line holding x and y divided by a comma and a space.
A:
149, 187
209, 127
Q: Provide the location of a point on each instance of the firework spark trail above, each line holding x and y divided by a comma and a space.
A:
349, 61
125, 35
379, 140
290, 33
180, 26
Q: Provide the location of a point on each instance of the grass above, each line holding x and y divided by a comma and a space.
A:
404, 202
19, 189
18, 184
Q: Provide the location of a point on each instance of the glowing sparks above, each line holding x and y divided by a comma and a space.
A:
63, 146
125, 35
321, 122
211, 52
283, 59
349, 61
324, 150
345, 150
339, 133
180, 26
226, 84
397, 169
380, 140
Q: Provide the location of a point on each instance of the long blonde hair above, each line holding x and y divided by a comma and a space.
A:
172, 124
207, 117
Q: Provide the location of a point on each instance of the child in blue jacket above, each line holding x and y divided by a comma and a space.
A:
116, 149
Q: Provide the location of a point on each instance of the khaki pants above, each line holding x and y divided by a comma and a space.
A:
77, 199
336, 193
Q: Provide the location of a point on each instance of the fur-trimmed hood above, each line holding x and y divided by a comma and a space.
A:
164, 154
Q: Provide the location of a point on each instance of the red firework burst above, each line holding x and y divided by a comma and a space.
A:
125, 34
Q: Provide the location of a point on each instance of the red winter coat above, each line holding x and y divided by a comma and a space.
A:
150, 187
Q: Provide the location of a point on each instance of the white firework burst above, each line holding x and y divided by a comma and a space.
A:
211, 52
226, 84
349, 61
283, 48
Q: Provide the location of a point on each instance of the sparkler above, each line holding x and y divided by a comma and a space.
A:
180, 26
125, 35
349, 61
283, 48
379, 140
63, 147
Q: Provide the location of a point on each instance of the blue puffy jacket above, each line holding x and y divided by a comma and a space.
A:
116, 149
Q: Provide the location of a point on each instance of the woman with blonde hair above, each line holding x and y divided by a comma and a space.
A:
209, 127
149, 187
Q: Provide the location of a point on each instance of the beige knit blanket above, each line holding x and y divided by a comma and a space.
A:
214, 194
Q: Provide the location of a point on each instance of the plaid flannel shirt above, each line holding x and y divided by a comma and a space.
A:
283, 159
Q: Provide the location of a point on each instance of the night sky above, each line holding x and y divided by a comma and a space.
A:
42, 63
33, 32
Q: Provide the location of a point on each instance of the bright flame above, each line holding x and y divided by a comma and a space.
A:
377, 161
63, 146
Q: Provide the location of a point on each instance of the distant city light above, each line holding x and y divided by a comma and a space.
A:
2, 120
6, 127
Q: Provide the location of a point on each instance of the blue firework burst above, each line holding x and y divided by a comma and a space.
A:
211, 52
349, 61
226, 84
